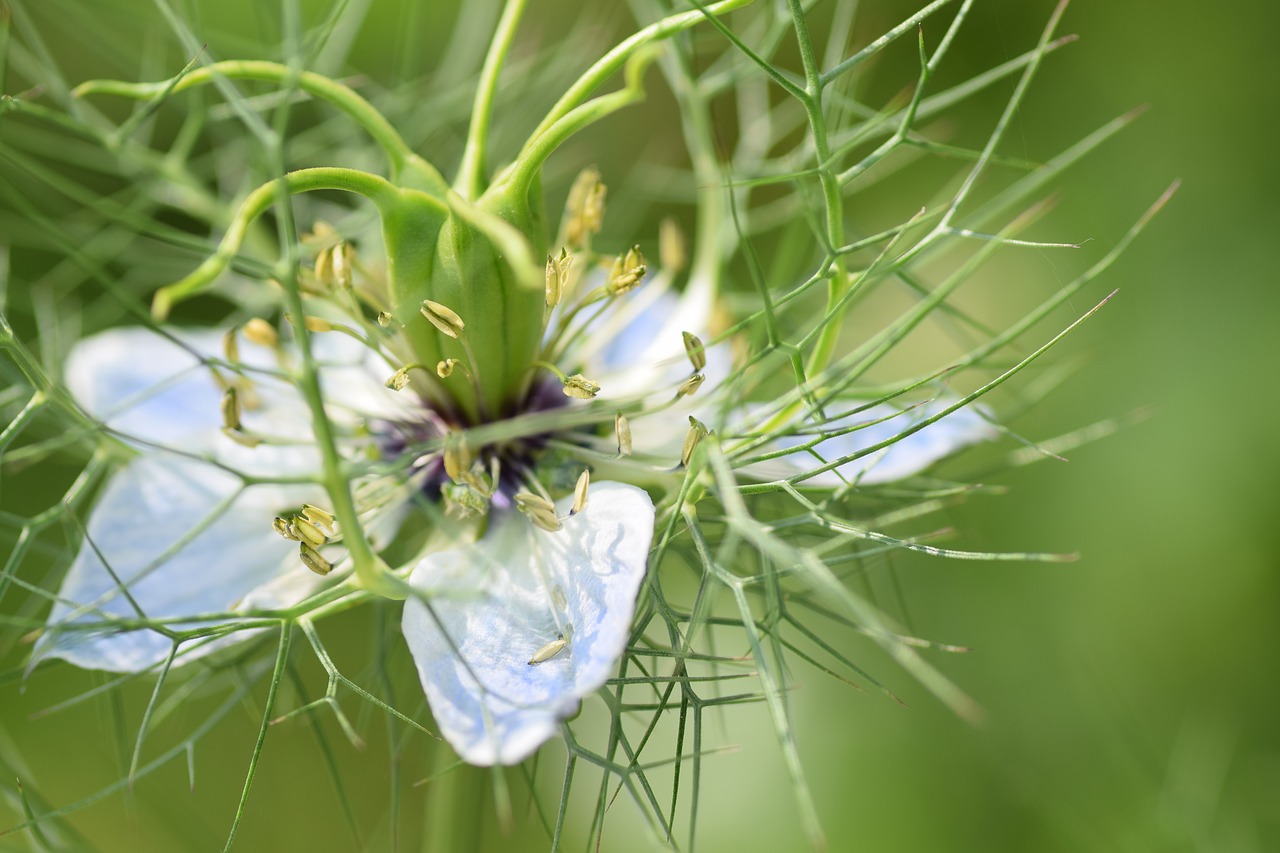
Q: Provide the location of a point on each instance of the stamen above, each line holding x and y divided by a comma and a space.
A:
324, 268
549, 651
230, 346
313, 324
627, 272
696, 352
457, 458
444, 369
580, 493
262, 333
584, 210
697, 432
580, 387
476, 481
557, 275
318, 516
314, 560
462, 502
385, 318
443, 318
231, 410
400, 379
690, 386
539, 510
343, 261
310, 534
622, 427
284, 527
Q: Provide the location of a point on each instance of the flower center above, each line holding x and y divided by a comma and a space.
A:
463, 475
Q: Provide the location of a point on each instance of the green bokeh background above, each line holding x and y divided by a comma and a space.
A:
1131, 699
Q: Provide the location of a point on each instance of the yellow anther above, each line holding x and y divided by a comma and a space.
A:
443, 318
231, 346
690, 386
672, 251
580, 493
584, 211
622, 427
324, 268
549, 651
696, 351
231, 409
627, 272
342, 262
384, 318
314, 560
580, 387
398, 380
697, 432
475, 479
285, 528
547, 521
262, 333
309, 532
462, 502
444, 369
526, 501
539, 510
557, 275
457, 458
319, 517
313, 324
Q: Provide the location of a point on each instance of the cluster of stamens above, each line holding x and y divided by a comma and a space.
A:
311, 528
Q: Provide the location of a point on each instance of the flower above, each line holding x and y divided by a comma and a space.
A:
177, 537
441, 386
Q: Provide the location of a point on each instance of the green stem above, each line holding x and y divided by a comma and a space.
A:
470, 180
258, 202
609, 64
455, 804
832, 197
536, 151
404, 163
371, 572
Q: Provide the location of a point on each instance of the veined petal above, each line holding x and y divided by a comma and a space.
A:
489, 607
636, 348
899, 460
157, 391
225, 555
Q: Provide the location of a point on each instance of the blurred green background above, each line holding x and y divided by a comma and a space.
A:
1131, 699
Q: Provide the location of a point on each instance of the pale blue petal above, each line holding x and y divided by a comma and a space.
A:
496, 602
902, 459
155, 390
158, 501
636, 347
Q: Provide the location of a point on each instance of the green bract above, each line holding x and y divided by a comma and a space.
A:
475, 247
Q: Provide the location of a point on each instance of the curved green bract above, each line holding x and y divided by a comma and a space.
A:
407, 168
379, 190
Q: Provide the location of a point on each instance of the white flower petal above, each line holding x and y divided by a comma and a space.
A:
636, 347
495, 603
905, 457
156, 391
154, 503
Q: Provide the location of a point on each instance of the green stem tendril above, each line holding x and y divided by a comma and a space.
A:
258, 202
406, 167
470, 180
